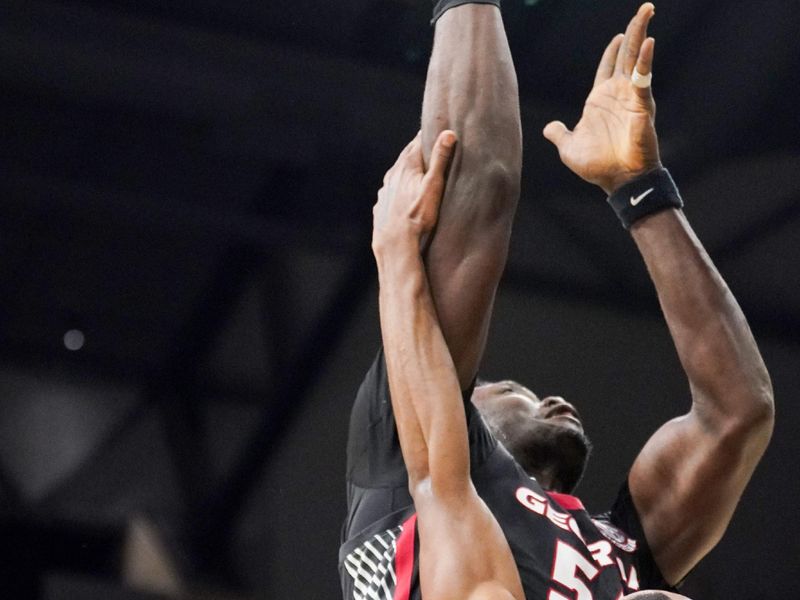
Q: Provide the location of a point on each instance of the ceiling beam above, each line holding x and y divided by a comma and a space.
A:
214, 523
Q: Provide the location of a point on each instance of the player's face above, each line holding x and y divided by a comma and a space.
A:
541, 434
505, 402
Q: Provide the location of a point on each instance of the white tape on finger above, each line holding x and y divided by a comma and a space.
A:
641, 81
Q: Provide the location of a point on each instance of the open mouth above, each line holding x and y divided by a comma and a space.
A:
565, 412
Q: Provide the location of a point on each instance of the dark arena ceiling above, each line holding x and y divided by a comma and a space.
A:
187, 188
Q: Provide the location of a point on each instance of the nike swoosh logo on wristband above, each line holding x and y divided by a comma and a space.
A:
640, 197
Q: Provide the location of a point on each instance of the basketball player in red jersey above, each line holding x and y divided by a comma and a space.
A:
664, 520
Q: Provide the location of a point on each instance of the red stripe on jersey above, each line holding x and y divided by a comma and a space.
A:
566, 501
404, 559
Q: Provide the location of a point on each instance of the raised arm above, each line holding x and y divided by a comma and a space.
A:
690, 475
472, 89
426, 396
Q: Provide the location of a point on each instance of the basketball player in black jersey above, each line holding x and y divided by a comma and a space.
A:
463, 553
664, 520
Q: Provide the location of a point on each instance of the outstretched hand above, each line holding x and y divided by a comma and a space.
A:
408, 203
615, 139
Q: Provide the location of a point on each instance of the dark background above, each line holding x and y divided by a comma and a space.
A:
189, 184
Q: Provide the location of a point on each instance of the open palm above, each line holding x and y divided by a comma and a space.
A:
615, 139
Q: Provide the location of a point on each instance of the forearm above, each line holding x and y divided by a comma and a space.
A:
729, 381
472, 89
425, 393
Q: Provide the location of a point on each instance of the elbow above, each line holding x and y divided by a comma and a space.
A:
741, 415
760, 407
502, 178
504, 172
754, 422
489, 181
419, 486
737, 393
442, 491
419, 475
478, 209
762, 418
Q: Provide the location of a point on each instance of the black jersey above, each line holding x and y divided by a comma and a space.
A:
562, 552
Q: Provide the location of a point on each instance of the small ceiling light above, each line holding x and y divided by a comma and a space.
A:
74, 340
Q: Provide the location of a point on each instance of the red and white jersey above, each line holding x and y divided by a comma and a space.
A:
561, 551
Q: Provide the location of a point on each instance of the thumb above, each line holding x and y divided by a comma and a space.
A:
441, 154
556, 132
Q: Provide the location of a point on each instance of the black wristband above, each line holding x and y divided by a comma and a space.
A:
652, 192
440, 6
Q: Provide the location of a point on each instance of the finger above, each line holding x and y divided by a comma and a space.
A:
557, 132
609, 59
442, 152
644, 65
635, 34
443, 148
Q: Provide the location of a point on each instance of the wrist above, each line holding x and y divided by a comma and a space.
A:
400, 271
647, 194
621, 179
395, 249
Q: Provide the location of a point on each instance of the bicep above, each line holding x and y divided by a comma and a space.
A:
686, 483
